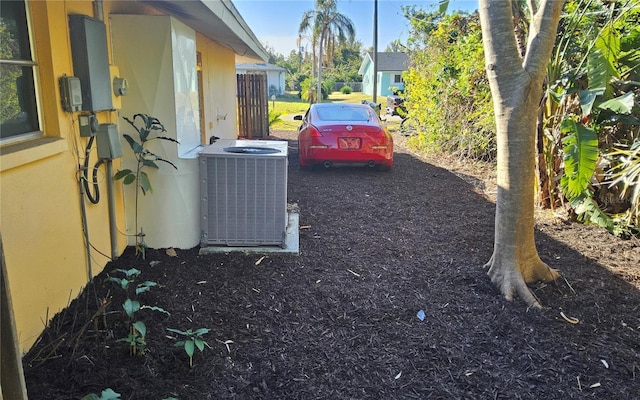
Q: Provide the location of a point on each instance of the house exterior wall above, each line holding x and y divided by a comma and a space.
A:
41, 222
385, 82
385, 88
219, 84
157, 54
275, 78
40, 209
367, 79
385, 78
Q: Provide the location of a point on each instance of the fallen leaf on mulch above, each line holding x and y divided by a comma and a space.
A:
172, 253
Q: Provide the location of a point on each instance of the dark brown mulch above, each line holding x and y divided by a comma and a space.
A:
339, 321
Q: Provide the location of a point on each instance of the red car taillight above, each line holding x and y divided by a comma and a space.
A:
380, 133
314, 132
316, 142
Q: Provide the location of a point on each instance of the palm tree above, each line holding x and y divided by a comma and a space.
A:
325, 22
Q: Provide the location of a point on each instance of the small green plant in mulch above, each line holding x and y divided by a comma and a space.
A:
107, 394
191, 340
136, 338
145, 126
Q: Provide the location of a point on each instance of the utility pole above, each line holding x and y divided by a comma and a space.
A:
375, 51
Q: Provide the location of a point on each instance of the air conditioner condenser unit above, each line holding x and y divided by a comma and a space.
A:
244, 193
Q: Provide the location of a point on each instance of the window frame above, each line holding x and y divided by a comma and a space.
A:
35, 72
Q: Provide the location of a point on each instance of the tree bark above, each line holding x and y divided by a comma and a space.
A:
516, 86
319, 83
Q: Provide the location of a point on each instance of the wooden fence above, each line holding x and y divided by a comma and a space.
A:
253, 106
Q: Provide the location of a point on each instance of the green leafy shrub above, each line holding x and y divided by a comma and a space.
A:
273, 90
346, 89
274, 116
446, 89
591, 91
328, 83
308, 90
626, 174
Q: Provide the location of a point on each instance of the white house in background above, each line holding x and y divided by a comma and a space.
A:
391, 65
275, 75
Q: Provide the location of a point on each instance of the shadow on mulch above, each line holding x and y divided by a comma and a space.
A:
339, 321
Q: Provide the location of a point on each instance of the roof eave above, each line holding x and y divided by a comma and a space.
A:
219, 20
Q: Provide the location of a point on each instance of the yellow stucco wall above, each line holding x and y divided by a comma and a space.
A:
40, 212
40, 204
219, 84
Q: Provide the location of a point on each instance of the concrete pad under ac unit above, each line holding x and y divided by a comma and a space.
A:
291, 243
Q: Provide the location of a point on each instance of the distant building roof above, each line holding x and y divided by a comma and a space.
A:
259, 67
388, 61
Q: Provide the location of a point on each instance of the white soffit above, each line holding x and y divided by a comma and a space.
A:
218, 20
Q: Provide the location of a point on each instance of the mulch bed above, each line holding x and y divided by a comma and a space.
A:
339, 320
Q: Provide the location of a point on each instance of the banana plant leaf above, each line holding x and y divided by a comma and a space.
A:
581, 156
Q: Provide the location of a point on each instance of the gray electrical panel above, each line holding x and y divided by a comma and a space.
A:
108, 142
91, 61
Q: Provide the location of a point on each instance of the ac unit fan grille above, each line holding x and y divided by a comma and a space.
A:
245, 201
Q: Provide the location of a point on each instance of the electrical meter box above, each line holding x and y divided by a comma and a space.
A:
90, 57
71, 93
108, 142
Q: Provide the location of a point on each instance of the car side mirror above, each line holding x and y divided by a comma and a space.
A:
297, 117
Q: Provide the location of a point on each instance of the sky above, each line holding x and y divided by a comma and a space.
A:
275, 22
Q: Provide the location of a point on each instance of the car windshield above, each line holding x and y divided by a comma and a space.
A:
343, 114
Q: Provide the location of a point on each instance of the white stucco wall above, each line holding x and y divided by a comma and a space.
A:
157, 55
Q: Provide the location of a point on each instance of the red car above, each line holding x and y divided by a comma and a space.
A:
340, 133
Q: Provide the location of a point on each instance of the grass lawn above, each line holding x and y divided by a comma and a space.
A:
290, 106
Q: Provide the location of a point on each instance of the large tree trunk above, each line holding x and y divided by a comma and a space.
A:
516, 86
319, 83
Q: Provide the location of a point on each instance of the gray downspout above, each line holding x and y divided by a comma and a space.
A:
98, 10
112, 210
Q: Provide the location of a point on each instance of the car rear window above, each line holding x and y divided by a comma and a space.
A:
344, 114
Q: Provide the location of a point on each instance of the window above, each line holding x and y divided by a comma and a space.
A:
344, 113
397, 78
18, 108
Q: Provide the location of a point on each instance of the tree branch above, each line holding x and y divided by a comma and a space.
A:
544, 23
501, 49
